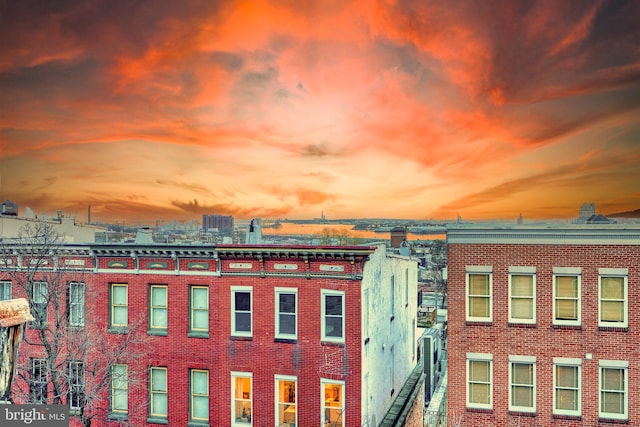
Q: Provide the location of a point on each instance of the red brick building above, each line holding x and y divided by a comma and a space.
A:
235, 335
543, 326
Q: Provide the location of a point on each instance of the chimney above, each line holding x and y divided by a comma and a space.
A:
254, 233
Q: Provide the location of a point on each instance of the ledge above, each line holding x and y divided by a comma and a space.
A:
197, 334
569, 327
523, 325
613, 329
332, 344
286, 340
158, 332
152, 420
238, 338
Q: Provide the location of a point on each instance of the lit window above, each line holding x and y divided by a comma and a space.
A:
613, 389
567, 384
286, 313
5, 290
158, 392
76, 385
286, 401
479, 297
76, 304
40, 301
333, 407
199, 397
613, 297
119, 389
566, 300
479, 380
119, 306
522, 302
332, 323
242, 398
241, 311
199, 320
158, 302
38, 381
522, 380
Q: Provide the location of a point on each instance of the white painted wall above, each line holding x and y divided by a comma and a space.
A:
390, 355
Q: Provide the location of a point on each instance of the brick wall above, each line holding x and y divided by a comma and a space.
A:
541, 340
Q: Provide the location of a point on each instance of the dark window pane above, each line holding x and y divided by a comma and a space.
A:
243, 322
287, 303
333, 305
334, 326
287, 324
243, 301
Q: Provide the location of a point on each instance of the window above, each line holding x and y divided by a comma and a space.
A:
286, 313
199, 320
158, 392
286, 401
613, 389
5, 291
566, 300
479, 295
567, 384
522, 383
332, 323
613, 297
479, 380
119, 389
522, 295
76, 304
119, 306
333, 403
38, 381
241, 311
199, 396
40, 296
76, 385
158, 302
242, 398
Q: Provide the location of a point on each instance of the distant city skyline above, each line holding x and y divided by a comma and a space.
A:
358, 109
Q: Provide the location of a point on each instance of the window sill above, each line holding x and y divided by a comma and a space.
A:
567, 417
114, 330
480, 410
239, 338
613, 420
152, 420
523, 413
198, 424
332, 343
522, 325
117, 416
571, 327
286, 340
194, 334
158, 332
478, 323
613, 328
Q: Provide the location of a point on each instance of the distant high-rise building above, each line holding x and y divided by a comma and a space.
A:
222, 223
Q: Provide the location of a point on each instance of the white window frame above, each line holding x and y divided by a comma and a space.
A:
614, 273
112, 306
473, 271
622, 365
567, 272
522, 360
38, 385
194, 309
119, 387
323, 332
193, 395
234, 400
241, 289
523, 271
40, 295
278, 292
286, 402
76, 303
567, 363
158, 308
76, 385
323, 402
160, 392
6, 290
479, 357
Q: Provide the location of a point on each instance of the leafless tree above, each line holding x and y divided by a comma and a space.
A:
65, 357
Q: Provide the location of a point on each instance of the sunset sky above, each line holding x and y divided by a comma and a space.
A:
167, 110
